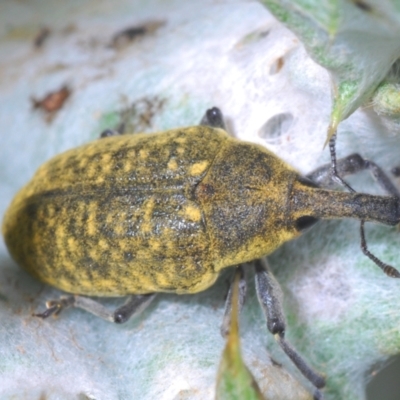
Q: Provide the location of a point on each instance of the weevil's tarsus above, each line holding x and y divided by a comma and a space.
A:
317, 395
49, 311
54, 307
226, 323
386, 268
214, 118
315, 378
395, 171
270, 296
132, 307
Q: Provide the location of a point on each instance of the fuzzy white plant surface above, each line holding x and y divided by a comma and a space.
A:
357, 41
342, 311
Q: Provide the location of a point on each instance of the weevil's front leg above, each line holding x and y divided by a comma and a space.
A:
132, 307
214, 118
226, 322
269, 295
350, 165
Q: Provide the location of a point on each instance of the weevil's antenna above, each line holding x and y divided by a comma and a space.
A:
335, 175
386, 268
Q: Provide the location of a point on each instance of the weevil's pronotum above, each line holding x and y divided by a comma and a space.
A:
166, 212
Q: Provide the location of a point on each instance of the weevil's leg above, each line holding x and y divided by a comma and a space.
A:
133, 306
214, 118
395, 171
350, 165
54, 307
386, 268
270, 295
226, 322
113, 132
382, 179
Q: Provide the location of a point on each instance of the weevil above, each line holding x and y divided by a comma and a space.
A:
134, 215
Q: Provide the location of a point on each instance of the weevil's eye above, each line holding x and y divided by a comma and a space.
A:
305, 222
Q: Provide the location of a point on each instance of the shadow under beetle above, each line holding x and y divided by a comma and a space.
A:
166, 212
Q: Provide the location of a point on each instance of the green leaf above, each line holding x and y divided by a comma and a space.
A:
356, 41
235, 381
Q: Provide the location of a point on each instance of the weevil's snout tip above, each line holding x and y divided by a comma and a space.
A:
396, 213
388, 211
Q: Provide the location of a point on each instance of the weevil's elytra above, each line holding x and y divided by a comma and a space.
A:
166, 212
98, 210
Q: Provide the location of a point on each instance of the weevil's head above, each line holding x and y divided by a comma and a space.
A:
301, 215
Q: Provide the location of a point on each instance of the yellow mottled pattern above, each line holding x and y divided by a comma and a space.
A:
198, 168
117, 216
172, 164
146, 213
191, 213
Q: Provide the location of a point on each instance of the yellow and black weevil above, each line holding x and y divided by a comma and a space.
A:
166, 212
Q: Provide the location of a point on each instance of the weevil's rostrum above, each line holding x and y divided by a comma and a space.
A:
136, 214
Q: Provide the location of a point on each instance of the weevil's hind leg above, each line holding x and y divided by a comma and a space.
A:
350, 165
132, 307
269, 295
226, 322
214, 118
